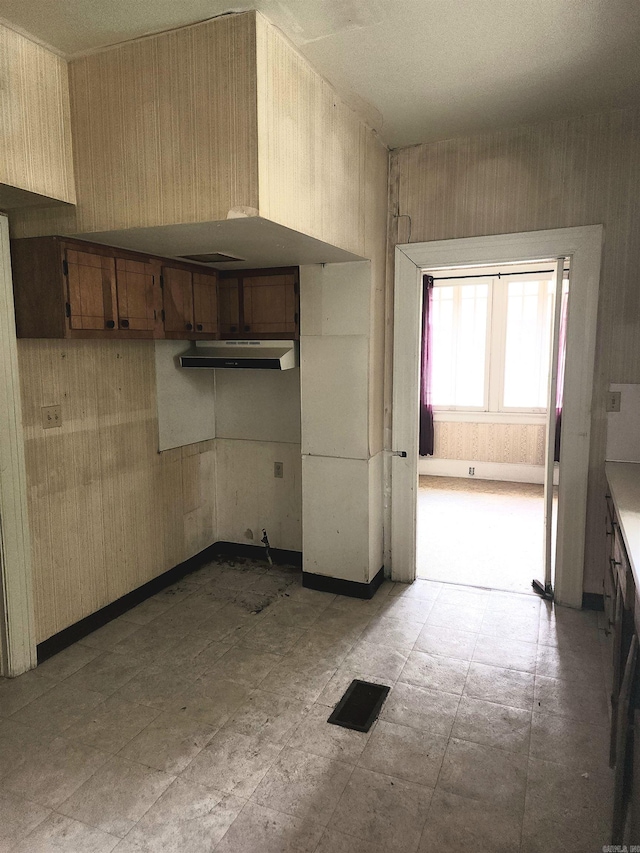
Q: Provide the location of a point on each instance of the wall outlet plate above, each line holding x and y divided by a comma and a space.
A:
472, 472
613, 401
51, 417
278, 470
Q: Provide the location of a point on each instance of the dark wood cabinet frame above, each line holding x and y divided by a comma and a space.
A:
132, 293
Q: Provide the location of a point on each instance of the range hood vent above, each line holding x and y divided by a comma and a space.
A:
212, 258
234, 355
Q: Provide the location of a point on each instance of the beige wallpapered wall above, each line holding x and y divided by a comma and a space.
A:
518, 443
575, 171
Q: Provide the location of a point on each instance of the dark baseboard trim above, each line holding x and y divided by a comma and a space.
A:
51, 646
592, 601
339, 586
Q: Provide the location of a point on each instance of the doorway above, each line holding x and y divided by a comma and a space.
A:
485, 416
583, 247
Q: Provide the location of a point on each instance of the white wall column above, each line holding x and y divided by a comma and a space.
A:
341, 481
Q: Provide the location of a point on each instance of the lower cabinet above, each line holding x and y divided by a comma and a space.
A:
622, 609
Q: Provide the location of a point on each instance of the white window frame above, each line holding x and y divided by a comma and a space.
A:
485, 405
493, 409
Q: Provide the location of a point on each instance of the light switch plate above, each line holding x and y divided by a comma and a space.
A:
51, 417
623, 435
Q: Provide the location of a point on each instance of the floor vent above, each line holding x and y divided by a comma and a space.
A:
359, 707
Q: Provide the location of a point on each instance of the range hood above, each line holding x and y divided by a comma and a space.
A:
256, 355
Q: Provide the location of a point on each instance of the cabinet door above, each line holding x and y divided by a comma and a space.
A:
623, 732
136, 297
634, 817
270, 305
91, 283
617, 675
177, 300
205, 302
229, 306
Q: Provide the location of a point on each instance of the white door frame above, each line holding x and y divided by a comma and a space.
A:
17, 634
583, 245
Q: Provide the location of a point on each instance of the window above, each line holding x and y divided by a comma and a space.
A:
460, 329
491, 343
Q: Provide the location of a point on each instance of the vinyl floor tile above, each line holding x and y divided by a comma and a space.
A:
383, 810
117, 796
493, 736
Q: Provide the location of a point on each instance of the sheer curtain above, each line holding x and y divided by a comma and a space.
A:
562, 351
426, 408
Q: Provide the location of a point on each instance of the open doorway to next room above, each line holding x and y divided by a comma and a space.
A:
488, 335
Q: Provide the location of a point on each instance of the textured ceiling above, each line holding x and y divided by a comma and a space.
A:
417, 70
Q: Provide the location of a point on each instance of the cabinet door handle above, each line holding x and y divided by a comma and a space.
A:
199, 327
234, 328
247, 328
188, 327
124, 323
110, 324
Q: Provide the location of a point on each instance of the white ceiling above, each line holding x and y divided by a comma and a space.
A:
417, 70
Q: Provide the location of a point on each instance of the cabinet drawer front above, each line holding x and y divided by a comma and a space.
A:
205, 303
609, 589
177, 300
270, 304
136, 298
92, 290
620, 563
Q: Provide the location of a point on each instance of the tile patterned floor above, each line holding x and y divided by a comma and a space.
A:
197, 723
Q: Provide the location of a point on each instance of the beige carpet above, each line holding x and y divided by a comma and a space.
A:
480, 532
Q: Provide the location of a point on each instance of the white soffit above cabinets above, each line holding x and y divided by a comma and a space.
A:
416, 70
255, 241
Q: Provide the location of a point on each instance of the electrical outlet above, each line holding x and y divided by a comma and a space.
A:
613, 401
472, 472
51, 417
278, 470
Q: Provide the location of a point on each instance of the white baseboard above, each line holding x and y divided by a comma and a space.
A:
508, 472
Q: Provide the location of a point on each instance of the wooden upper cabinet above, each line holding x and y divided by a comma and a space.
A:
205, 303
259, 303
229, 307
137, 309
190, 303
270, 305
177, 300
68, 288
91, 283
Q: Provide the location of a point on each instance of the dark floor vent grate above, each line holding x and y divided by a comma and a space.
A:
359, 707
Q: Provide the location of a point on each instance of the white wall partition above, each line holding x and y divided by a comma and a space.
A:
341, 480
17, 635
